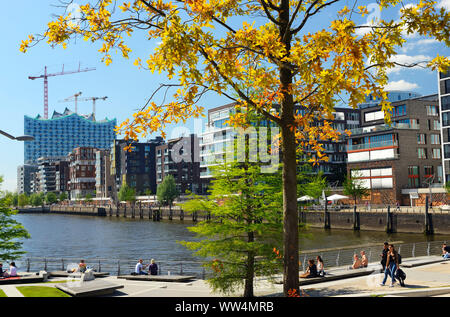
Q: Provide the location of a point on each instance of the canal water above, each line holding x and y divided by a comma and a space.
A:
71, 236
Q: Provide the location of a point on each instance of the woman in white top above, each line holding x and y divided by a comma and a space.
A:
12, 270
320, 266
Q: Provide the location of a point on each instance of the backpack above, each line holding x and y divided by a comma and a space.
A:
400, 274
399, 258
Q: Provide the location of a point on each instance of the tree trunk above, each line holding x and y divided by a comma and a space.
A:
290, 215
250, 272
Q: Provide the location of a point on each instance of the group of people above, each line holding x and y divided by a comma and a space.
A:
152, 268
313, 269
390, 260
12, 272
359, 263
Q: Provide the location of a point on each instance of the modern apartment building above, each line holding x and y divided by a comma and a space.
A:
65, 131
180, 158
24, 176
136, 168
403, 155
217, 136
104, 180
62, 176
444, 107
47, 167
81, 172
335, 169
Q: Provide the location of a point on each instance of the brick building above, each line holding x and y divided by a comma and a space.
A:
403, 155
82, 172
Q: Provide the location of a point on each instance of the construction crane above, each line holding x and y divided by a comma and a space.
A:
45, 76
94, 99
73, 98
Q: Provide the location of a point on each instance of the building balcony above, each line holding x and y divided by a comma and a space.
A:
367, 146
384, 127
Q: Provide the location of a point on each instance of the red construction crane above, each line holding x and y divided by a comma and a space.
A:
45, 76
94, 99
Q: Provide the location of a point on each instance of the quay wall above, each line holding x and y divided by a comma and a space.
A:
371, 221
439, 223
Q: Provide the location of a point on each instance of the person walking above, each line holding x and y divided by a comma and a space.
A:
391, 265
384, 255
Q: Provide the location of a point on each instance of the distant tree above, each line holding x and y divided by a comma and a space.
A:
148, 192
63, 196
36, 199
354, 186
51, 198
127, 193
88, 198
317, 185
23, 200
11, 231
167, 191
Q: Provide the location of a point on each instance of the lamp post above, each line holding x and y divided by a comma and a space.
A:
19, 138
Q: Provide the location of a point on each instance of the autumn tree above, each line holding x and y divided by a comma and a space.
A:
291, 60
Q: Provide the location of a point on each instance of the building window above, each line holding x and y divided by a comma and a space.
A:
435, 139
413, 176
414, 123
421, 138
432, 110
434, 124
440, 174
429, 171
399, 111
422, 153
436, 153
447, 151
445, 103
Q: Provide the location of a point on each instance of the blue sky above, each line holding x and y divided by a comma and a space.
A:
126, 86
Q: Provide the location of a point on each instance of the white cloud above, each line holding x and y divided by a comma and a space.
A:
401, 85
420, 45
404, 59
444, 4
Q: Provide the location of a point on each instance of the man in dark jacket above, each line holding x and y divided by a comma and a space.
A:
384, 255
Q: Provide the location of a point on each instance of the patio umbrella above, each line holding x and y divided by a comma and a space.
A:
337, 197
305, 198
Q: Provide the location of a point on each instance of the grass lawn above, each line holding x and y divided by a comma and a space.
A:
2, 293
41, 291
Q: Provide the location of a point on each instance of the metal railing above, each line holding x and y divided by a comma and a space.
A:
337, 257
344, 256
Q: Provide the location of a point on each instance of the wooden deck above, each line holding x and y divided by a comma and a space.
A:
158, 278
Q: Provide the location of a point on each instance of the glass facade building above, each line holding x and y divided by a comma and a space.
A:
64, 132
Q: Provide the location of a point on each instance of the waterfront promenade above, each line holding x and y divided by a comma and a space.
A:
431, 280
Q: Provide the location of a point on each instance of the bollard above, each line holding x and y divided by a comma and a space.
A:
118, 268
45, 264
99, 266
62, 265
28, 265
203, 273
337, 258
428, 249
181, 268
414, 251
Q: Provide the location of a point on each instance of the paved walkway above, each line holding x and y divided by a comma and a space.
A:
433, 278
